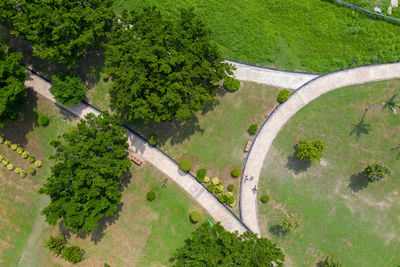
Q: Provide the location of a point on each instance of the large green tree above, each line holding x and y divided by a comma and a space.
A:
60, 30
214, 246
12, 90
163, 70
84, 183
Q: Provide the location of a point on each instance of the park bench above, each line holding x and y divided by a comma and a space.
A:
134, 158
248, 146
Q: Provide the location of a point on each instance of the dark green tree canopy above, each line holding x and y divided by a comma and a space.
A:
84, 183
68, 90
214, 246
163, 70
12, 89
60, 30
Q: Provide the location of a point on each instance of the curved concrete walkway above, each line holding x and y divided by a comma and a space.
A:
280, 78
156, 157
282, 114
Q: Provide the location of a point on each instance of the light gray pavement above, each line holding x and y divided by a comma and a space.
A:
157, 158
284, 79
282, 114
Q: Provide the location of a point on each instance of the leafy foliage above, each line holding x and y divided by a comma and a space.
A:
290, 223
330, 261
195, 216
253, 128
214, 246
59, 30
265, 199
68, 90
377, 172
151, 195
12, 90
210, 188
215, 181
73, 254
310, 150
283, 95
231, 187
201, 174
235, 172
56, 244
231, 84
84, 183
43, 120
163, 70
185, 165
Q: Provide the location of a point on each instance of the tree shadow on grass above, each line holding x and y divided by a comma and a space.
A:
357, 182
296, 164
360, 128
277, 230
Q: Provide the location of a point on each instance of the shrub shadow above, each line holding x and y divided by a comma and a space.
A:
357, 182
296, 164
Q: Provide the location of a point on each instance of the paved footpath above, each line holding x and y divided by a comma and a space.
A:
282, 114
157, 158
284, 79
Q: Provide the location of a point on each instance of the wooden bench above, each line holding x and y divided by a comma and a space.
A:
134, 159
248, 146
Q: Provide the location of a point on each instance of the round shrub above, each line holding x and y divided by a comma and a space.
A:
20, 150
264, 198
22, 174
231, 187
283, 95
185, 165
151, 195
215, 181
38, 163
24, 154
310, 150
153, 140
1, 158
210, 188
201, 174
231, 84
4, 162
10, 167
376, 172
222, 198
206, 179
31, 170
17, 170
14, 147
8, 143
73, 254
219, 189
253, 129
195, 216
235, 172
31, 159
43, 120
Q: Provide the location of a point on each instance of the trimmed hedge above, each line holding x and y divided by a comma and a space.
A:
283, 95
265, 198
151, 195
235, 172
195, 216
231, 187
253, 129
185, 165
201, 174
231, 84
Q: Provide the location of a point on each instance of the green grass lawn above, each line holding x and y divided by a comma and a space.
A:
341, 213
309, 35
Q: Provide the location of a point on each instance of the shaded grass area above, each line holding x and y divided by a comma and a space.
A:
145, 233
310, 35
19, 200
341, 213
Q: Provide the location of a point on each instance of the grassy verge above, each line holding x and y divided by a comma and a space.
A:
341, 214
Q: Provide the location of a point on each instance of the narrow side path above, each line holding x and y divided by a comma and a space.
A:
282, 114
280, 78
156, 157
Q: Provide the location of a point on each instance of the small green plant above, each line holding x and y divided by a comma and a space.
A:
215, 181
230, 200
151, 195
219, 189
22, 174
235, 172
195, 216
17, 170
222, 198
1, 139
38, 163
106, 265
31, 159
14, 147
8, 143
231, 187
253, 129
43, 120
231, 84
377, 172
20, 150
73, 254
201, 174
31, 170
1, 158
283, 95
210, 188
153, 140
185, 165
4, 162
24, 154
10, 167
206, 179
310, 150
290, 224
330, 261
265, 199
56, 244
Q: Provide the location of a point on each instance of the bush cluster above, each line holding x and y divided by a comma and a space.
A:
253, 129
59, 245
20, 150
377, 172
195, 216
185, 165
56, 244
283, 95
215, 181
201, 174
235, 172
151, 195
11, 167
231, 84
219, 189
310, 150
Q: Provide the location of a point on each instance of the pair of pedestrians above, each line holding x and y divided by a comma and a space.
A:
255, 188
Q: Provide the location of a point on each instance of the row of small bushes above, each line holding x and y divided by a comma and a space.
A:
20, 150
17, 170
59, 245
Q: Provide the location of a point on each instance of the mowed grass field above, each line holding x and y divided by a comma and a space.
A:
341, 213
216, 138
309, 35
